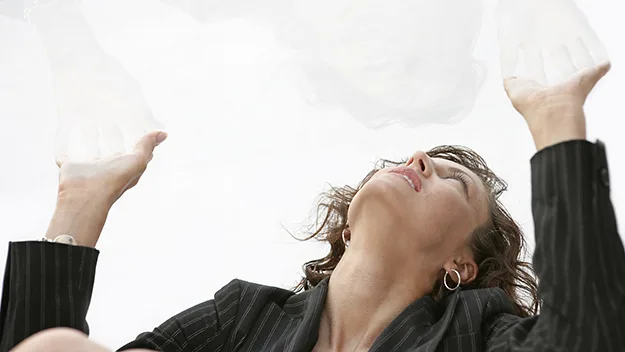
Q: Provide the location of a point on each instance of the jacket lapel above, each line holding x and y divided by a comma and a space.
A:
419, 325
439, 329
306, 308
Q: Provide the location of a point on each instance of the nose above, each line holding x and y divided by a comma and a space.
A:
421, 161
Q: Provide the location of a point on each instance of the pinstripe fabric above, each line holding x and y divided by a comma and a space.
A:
578, 256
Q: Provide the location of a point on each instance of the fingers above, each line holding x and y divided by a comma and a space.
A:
535, 64
580, 55
562, 64
114, 138
508, 59
61, 145
508, 36
594, 45
90, 138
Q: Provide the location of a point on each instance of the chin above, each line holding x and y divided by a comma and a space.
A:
385, 193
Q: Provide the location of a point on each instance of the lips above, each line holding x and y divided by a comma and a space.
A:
411, 175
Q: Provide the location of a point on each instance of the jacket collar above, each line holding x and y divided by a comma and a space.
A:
306, 307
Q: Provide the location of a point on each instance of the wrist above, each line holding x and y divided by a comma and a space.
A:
81, 216
80, 194
546, 137
557, 126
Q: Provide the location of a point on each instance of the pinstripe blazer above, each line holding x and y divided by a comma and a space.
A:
579, 259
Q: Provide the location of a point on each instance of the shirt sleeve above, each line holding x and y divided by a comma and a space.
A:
579, 258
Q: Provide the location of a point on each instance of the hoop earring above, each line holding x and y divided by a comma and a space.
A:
343, 235
445, 280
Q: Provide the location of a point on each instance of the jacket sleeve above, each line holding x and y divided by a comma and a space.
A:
579, 258
46, 285
49, 285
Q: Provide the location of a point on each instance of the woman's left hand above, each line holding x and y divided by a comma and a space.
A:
555, 113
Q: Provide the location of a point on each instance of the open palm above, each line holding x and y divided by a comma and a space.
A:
528, 96
111, 176
99, 102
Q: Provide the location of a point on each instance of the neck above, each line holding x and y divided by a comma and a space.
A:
364, 296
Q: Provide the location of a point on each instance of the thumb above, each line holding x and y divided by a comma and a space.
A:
589, 77
148, 142
508, 57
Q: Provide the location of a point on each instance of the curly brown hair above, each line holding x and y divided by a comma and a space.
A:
498, 245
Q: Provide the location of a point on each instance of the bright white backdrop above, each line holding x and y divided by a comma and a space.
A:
242, 160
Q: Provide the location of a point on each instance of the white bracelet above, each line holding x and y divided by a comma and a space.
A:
65, 239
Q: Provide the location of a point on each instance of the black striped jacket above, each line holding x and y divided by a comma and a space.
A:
579, 259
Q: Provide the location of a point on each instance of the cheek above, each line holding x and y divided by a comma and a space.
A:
447, 213
446, 201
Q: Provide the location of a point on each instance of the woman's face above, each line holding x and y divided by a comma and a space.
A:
434, 211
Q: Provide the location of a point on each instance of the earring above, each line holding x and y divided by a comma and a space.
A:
457, 284
346, 230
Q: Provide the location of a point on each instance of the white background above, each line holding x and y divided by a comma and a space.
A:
242, 160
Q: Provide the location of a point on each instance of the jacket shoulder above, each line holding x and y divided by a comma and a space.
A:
253, 301
487, 302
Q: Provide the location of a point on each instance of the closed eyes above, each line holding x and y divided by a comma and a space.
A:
456, 174
463, 178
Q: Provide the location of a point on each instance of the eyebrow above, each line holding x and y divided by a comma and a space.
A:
454, 169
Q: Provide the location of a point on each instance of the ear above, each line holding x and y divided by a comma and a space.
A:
467, 268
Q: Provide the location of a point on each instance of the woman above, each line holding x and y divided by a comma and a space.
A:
423, 258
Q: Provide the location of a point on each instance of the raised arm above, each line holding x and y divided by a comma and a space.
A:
49, 285
579, 256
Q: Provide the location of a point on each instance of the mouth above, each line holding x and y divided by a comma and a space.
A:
410, 175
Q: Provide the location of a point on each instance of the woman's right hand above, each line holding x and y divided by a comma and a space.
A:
555, 113
102, 101
108, 178
88, 190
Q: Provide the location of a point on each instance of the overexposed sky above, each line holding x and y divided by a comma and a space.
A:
246, 155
